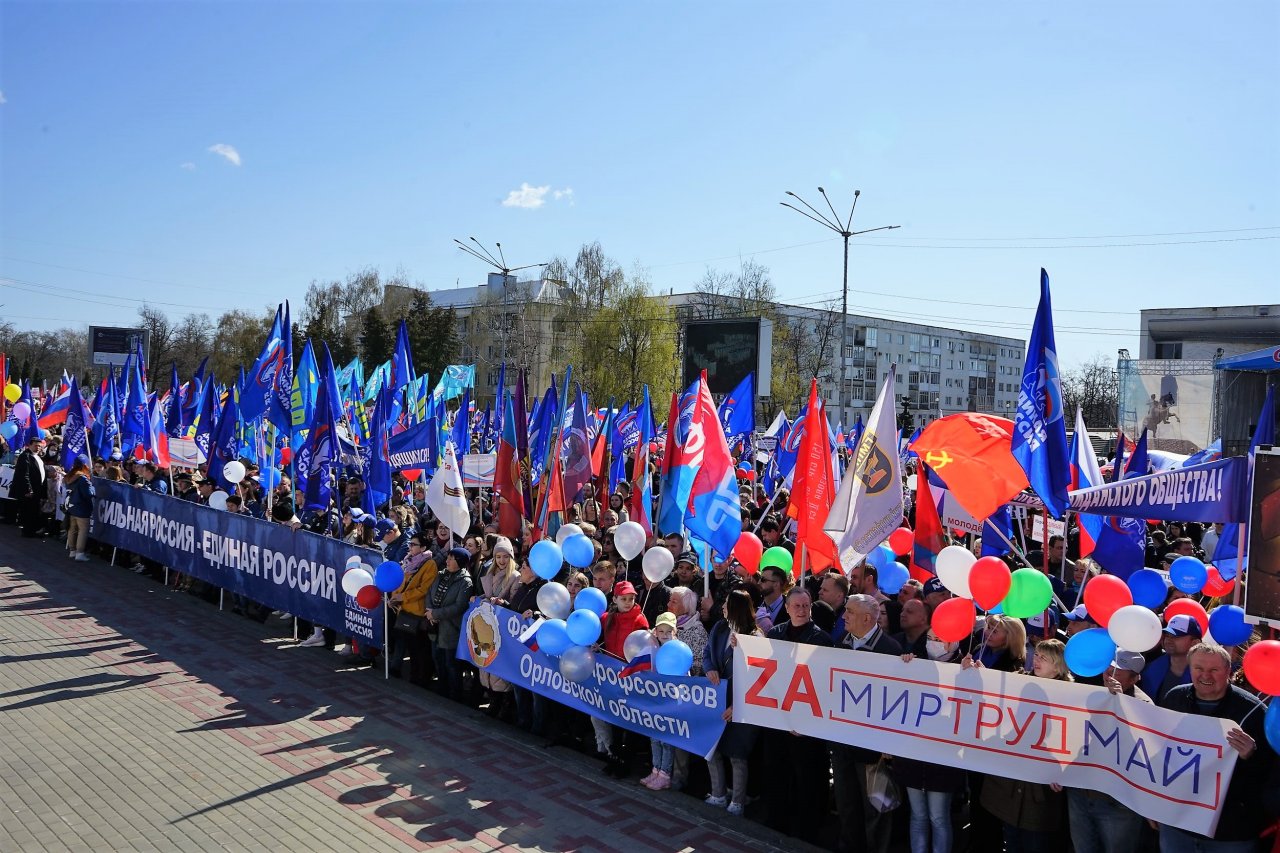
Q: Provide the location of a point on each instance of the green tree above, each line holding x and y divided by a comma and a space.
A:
376, 339
434, 338
237, 341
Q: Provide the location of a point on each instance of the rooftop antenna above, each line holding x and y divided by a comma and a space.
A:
483, 255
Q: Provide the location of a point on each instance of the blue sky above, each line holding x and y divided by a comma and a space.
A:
371, 134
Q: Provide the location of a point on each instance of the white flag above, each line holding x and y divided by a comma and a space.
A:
869, 506
445, 496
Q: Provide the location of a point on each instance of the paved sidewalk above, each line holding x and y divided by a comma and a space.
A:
135, 718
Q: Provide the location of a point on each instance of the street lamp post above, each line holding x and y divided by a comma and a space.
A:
844, 230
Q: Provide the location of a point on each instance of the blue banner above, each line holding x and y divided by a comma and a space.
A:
296, 572
1213, 491
415, 447
687, 713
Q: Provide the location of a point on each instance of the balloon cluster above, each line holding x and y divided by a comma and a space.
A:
985, 583
568, 631
366, 584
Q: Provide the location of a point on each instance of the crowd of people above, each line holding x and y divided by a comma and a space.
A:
826, 793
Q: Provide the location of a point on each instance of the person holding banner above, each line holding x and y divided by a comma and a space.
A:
862, 826
79, 509
797, 765
1211, 694
738, 738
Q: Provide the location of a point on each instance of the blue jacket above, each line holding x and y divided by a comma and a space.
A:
80, 498
1153, 676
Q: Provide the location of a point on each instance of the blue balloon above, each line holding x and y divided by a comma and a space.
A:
1227, 625
1188, 574
553, 637
1090, 652
545, 559
269, 478
1148, 588
578, 551
673, 658
880, 557
591, 599
892, 577
583, 627
1271, 724
388, 576
8, 430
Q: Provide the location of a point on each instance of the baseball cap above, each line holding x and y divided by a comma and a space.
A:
624, 588
688, 557
1183, 625
1078, 614
933, 585
1038, 620
356, 513
1129, 661
384, 527
668, 618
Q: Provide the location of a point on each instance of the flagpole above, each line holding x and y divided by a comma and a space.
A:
271, 458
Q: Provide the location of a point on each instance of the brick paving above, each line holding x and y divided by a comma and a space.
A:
137, 718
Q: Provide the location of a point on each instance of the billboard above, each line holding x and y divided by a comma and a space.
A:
1262, 587
1172, 399
110, 345
728, 350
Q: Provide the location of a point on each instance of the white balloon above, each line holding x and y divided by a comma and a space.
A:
355, 580
234, 471
218, 500
911, 482
577, 663
953, 564
637, 643
629, 538
657, 563
1135, 628
553, 601
566, 531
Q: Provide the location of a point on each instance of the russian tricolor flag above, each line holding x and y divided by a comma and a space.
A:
1085, 473
639, 663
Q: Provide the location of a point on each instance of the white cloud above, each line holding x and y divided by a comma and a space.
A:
227, 152
190, 167
530, 198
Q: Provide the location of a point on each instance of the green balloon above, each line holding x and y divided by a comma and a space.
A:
1029, 593
778, 557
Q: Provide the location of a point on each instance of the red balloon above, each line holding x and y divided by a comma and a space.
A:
1216, 586
989, 582
286, 455
749, 474
748, 551
1262, 666
1104, 595
368, 597
1183, 606
953, 620
411, 474
901, 541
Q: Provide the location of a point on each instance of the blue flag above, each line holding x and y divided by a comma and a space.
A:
461, 434
738, 412
402, 362
641, 508
226, 444
375, 456
107, 426
455, 379
135, 426
173, 414
321, 452
544, 424
75, 432
258, 387
1039, 429
678, 473
206, 417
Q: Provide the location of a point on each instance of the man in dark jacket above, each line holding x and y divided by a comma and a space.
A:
1211, 694
28, 487
862, 828
796, 795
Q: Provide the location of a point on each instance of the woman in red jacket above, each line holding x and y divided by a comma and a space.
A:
621, 619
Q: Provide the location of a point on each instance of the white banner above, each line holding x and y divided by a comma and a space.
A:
185, 453
1056, 527
478, 470
6, 480
1170, 767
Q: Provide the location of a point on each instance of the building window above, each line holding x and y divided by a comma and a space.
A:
871, 336
1169, 350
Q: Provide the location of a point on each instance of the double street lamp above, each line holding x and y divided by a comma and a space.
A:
844, 229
